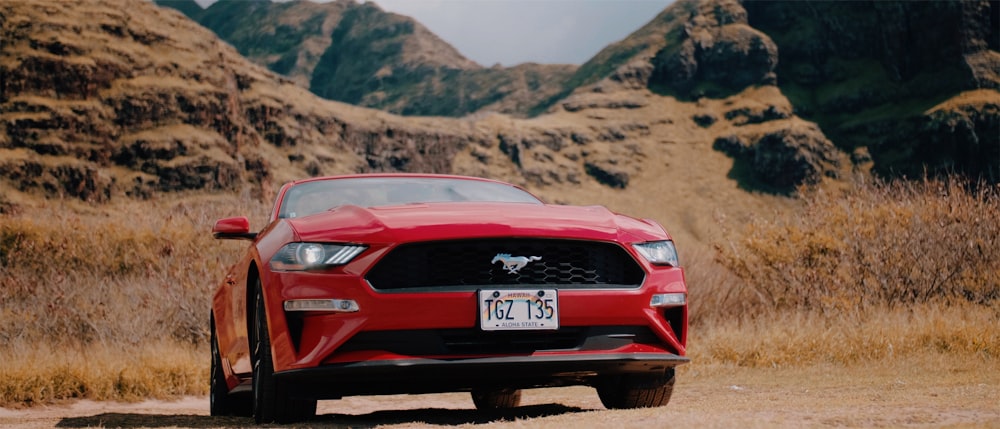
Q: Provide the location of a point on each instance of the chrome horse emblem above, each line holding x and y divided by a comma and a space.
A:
513, 264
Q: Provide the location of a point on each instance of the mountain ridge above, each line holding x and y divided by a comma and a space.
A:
360, 54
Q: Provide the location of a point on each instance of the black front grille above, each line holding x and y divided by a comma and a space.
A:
474, 263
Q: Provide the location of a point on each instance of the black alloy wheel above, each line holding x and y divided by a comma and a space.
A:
221, 402
271, 400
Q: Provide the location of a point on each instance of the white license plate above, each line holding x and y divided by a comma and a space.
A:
518, 310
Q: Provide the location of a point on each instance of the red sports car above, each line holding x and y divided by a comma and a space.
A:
413, 283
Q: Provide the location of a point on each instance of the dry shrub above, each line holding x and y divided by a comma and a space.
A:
711, 286
37, 373
146, 271
795, 338
875, 245
870, 273
111, 303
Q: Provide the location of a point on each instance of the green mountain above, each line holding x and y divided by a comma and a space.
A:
362, 55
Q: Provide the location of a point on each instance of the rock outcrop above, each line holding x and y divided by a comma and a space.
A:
915, 84
786, 157
715, 55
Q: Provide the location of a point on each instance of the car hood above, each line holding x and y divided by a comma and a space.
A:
443, 221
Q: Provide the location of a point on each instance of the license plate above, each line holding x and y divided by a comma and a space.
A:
518, 310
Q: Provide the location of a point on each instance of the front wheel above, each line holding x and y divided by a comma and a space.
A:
221, 402
636, 391
271, 400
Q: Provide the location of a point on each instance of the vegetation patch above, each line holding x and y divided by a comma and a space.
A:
113, 304
36, 373
873, 245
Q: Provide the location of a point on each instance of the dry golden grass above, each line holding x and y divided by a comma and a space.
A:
797, 338
39, 372
111, 302
871, 246
118, 274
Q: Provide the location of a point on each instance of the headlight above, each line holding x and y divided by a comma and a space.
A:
658, 252
311, 256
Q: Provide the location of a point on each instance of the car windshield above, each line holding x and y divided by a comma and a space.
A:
317, 196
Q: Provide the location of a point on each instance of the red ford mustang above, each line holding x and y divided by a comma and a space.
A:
406, 283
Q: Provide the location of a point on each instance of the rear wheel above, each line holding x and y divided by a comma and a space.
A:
271, 400
636, 391
221, 402
496, 399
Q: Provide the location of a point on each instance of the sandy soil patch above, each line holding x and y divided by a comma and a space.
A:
925, 392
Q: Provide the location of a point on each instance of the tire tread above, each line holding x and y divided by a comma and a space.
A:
625, 392
496, 399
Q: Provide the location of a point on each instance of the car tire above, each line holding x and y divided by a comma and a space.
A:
221, 402
635, 391
271, 400
496, 399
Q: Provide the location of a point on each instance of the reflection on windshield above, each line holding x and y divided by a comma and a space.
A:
314, 197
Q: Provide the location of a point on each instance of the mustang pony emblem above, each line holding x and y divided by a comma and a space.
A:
513, 264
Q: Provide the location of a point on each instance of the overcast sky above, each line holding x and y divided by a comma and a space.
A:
511, 32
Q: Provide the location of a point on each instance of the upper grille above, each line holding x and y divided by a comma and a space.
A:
469, 264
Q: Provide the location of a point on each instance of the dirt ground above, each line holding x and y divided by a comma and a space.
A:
925, 392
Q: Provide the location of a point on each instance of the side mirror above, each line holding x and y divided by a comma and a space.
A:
233, 228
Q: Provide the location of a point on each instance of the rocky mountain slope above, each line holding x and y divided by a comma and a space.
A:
359, 54
901, 87
906, 88
912, 85
106, 98
110, 99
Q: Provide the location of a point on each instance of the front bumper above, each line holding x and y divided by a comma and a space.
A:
305, 340
425, 375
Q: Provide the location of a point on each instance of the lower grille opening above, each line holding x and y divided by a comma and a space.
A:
436, 342
507, 342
